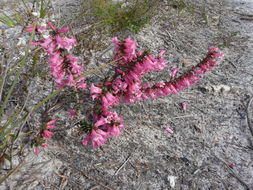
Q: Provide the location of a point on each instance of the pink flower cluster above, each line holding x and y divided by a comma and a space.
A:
45, 133
132, 67
106, 124
126, 85
63, 66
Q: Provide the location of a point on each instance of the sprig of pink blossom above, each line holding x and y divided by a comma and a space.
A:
63, 66
126, 85
45, 133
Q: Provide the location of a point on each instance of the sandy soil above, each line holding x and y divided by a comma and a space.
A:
209, 136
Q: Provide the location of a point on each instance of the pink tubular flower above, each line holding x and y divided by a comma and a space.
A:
97, 137
40, 29
50, 24
49, 45
65, 43
118, 85
45, 145
173, 89
50, 125
29, 28
127, 83
169, 130
37, 148
184, 106
47, 134
72, 112
63, 30
232, 165
70, 80
130, 47
109, 100
51, 122
126, 49
95, 91
160, 84
116, 41
133, 88
173, 73
36, 152
81, 83
114, 131
100, 122
162, 52
213, 49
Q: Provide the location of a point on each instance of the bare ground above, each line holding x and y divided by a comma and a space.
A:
209, 136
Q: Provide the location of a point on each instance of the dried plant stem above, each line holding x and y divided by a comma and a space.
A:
2, 81
11, 172
248, 117
232, 173
116, 173
15, 116
93, 179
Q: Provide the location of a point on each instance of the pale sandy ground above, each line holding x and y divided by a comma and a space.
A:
211, 134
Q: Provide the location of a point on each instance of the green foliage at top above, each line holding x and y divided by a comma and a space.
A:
180, 5
118, 16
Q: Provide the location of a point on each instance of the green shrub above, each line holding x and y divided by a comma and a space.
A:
118, 16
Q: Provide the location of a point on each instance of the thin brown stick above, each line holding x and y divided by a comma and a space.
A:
182, 116
232, 173
92, 178
2, 81
12, 172
117, 171
248, 116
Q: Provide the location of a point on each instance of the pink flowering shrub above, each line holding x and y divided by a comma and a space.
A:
125, 85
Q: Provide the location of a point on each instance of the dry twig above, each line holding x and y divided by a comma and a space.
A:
232, 173
117, 171
248, 117
92, 178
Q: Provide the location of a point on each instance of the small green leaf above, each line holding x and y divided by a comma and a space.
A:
19, 18
42, 9
7, 157
5, 19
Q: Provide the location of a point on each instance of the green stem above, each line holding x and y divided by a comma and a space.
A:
22, 63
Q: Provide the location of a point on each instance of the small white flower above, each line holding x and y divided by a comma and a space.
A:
45, 35
22, 53
21, 41
35, 14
